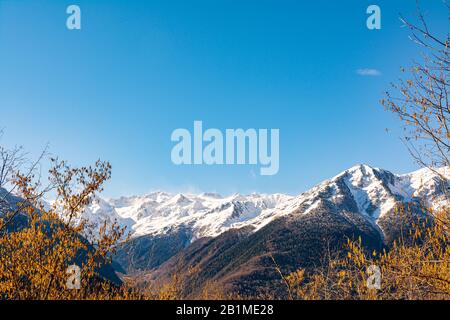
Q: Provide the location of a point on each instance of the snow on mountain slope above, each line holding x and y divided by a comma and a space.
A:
363, 189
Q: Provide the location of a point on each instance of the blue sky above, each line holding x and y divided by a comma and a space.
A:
140, 69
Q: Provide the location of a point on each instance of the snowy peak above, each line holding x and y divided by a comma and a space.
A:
425, 184
370, 190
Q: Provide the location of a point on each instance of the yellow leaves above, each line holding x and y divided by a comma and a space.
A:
296, 277
409, 270
34, 260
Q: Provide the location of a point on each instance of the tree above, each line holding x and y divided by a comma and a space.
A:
421, 99
11, 162
36, 256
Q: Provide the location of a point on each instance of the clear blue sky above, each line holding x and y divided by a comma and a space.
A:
140, 69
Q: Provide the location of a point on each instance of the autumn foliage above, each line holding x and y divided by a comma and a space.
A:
36, 256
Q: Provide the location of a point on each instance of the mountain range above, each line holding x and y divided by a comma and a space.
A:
362, 189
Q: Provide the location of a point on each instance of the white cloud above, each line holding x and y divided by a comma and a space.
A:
368, 72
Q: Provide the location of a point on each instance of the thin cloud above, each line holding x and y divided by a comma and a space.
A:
368, 72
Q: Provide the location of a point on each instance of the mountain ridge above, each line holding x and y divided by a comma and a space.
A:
374, 192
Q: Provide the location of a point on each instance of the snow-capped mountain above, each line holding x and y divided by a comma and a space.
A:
369, 191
